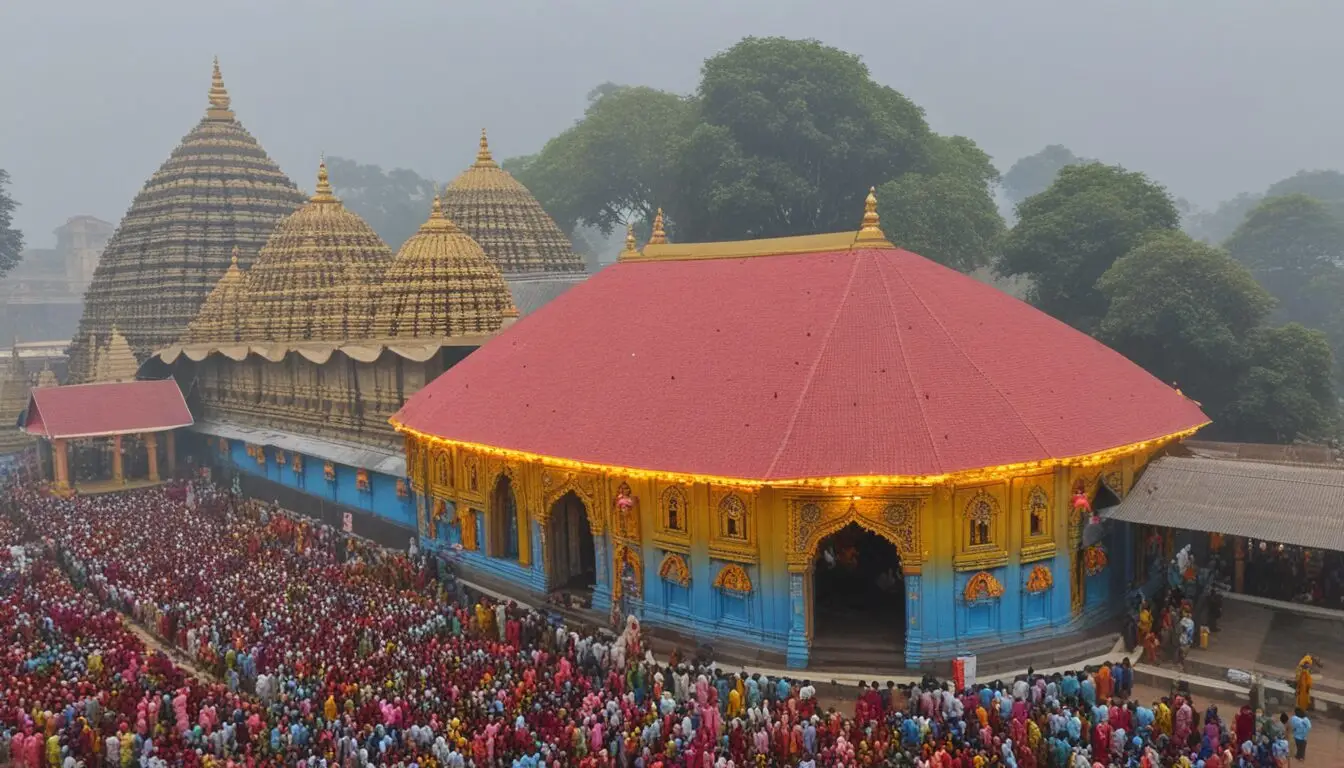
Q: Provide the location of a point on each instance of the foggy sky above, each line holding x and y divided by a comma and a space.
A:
1210, 97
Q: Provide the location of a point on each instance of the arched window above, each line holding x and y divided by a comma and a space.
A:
1038, 512
733, 518
980, 520
675, 510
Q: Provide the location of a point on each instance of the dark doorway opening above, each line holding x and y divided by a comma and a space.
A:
858, 593
503, 540
571, 556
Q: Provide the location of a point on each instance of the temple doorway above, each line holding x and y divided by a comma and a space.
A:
503, 523
858, 596
571, 559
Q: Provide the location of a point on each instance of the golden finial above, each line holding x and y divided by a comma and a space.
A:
323, 193
483, 156
437, 221
233, 258
659, 237
219, 98
436, 210
871, 231
630, 236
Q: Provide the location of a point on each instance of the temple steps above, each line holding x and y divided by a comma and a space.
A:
856, 653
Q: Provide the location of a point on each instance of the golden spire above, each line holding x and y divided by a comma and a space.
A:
233, 258
871, 231
219, 98
631, 247
437, 221
483, 156
659, 237
323, 193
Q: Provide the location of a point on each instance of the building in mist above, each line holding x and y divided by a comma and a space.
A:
217, 191
42, 297
803, 448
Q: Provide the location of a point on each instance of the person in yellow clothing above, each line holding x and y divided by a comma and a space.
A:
95, 665
734, 703
329, 709
1162, 717
54, 751
1304, 683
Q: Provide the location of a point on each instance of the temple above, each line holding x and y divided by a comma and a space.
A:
217, 191
788, 442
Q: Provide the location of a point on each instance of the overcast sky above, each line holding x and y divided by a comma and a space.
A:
1211, 97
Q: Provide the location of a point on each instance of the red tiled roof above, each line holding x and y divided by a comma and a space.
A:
851, 363
97, 410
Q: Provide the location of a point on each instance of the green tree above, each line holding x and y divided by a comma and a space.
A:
1034, 174
615, 164
1069, 235
1182, 309
1324, 185
395, 203
790, 135
1286, 392
1290, 243
11, 239
1217, 225
947, 212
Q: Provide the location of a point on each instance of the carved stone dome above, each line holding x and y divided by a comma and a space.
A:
498, 212
315, 278
223, 316
441, 284
217, 191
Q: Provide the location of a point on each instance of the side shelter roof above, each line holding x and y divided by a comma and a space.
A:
106, 409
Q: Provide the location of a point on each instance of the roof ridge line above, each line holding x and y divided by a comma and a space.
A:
812, 371
905, 363
957, 346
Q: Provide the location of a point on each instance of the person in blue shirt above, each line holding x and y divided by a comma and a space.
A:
1300, 725
1089, 691
1068, 688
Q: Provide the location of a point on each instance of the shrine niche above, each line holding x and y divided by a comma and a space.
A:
733, 578
625, 513
982, 587
674, 569
1040, 580
628, 571
674, 511
441, 471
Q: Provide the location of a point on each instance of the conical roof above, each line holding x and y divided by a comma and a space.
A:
223, 315
116, 361
217, 191
47, 377
441, 284
13, 399
315, 278
500, 214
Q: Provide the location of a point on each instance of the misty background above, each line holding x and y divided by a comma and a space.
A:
1208, 97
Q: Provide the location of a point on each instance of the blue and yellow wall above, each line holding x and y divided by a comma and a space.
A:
990, 559
386, 497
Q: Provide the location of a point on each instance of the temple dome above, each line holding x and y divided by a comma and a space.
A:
502, 215
217, 191
441, 284
315, 278
224, 313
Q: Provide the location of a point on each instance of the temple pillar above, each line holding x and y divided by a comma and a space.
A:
60, 464
1239, 564
118, 475
798, 651
152, 450
170, 447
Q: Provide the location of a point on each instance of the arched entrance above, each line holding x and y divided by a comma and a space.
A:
858, 596
503, 524
571, 559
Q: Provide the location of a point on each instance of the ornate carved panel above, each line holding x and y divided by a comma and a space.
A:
674, 569
625, 513
982, 531
733, 515
555, 484
1040, 579
733, 578
981, 587
813, 518
629, 568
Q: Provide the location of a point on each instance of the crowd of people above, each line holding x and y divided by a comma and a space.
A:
298, 649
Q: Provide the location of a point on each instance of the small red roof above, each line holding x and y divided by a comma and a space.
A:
100, 410
791, 367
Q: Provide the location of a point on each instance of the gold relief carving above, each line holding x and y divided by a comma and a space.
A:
329, 471
628, 568
1036, 511
980, 513
362, 479
279, 458
466, 520
1040, 579
296, 463
733, 518
734, 525
895, 519
1114, 480
1034, 552
674, 569
403, 490
584, 486
982, 586
982, 539
675, 510
733, 578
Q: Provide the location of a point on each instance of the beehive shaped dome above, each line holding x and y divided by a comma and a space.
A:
216, 192
499, 213
441, 284
315, 278
223, 315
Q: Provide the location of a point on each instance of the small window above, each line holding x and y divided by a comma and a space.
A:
734, 516
675, 510
1038, 511
980, 517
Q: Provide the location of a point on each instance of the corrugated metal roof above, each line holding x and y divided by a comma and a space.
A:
349, 454
532, 292
1285, 503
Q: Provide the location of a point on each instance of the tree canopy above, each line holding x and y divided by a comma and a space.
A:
782, 137
11, 239
1069, 235
1290, 243
1285, 392
1182, 309
1034, 174
395, 203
